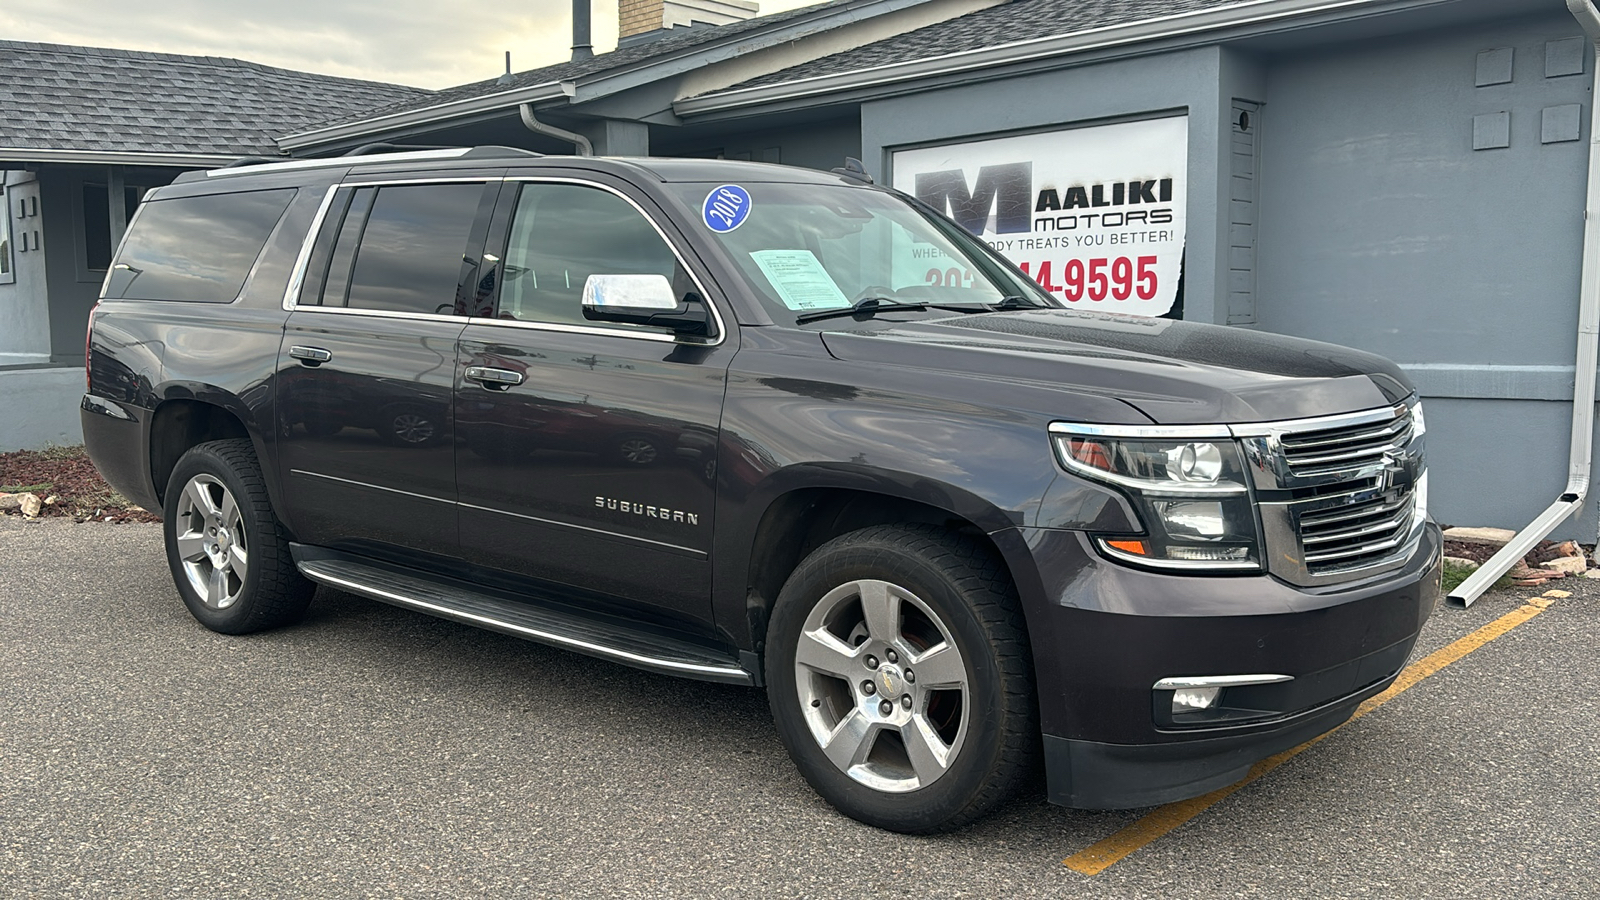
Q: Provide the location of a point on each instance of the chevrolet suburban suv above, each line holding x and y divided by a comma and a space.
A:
707, 418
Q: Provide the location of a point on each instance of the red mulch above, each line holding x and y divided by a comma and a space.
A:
1544, 551
67, 475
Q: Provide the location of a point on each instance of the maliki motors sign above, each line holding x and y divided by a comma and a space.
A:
1094, 215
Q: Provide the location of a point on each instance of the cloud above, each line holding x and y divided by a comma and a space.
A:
427, 44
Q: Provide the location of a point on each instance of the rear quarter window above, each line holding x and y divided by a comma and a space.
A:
195, 248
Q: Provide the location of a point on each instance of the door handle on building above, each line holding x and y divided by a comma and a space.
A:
310, 356
493, 379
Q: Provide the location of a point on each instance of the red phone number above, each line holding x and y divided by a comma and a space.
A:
1099, 278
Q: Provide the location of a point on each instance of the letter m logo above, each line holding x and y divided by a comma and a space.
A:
1006, 190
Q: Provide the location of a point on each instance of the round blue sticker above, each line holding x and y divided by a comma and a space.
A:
726, 208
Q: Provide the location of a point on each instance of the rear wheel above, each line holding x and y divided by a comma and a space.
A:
899, 676
228, 553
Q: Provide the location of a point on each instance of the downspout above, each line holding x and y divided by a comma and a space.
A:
1584, 375
577, 140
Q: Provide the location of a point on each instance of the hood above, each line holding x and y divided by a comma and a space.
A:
1177, 373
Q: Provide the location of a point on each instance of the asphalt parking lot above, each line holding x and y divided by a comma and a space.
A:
375, 752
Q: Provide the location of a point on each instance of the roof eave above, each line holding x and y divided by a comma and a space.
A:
1110, 37
537, 93
117, 157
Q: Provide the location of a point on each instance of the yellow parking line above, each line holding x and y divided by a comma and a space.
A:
1097, 858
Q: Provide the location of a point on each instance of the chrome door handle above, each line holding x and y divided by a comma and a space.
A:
493, 379
311, 356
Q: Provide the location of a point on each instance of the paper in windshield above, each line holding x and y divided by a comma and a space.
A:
800, 280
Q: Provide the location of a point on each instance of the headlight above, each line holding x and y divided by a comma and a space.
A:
1187, 484
1419, 425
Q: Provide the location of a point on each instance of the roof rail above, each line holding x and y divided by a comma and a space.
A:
492, 151
250, 161
382, 147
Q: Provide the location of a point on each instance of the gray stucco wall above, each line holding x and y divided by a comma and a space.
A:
1382, 228
39, 408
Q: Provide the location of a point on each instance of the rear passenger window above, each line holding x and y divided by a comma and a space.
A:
563, 233
399, 248
196, 248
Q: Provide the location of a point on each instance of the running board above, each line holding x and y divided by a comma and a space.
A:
615, 642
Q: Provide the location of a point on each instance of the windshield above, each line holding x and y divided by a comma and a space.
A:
807, 247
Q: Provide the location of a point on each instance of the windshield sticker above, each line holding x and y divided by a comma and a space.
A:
800, 280
726, 208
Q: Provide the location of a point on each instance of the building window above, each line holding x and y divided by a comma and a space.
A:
8, 272
97, 247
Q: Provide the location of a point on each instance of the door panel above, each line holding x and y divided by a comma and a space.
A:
598, 470
366, 374
591, 461
366, 439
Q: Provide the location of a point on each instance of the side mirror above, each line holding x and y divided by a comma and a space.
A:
644, 300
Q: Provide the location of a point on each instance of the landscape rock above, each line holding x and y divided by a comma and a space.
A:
1592, 573
30, 505
1569, 548
1461, 561
1573, 565
10, 501
1493, 537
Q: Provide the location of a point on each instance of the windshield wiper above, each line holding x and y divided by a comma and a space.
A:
866, 306
1015, 301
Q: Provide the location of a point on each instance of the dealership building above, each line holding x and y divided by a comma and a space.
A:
1403, 176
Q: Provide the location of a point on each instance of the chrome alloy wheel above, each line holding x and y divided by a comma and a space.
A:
211, 542
882, 686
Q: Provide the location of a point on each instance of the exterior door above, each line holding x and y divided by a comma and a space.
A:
592, 462
366, 371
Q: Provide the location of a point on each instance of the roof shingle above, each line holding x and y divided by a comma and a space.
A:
59, 97
1018, 20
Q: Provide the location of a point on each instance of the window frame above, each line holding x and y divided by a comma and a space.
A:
299, 276
500, 237
499, 232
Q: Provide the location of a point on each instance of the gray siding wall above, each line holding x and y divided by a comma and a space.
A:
1383, 228
73, 288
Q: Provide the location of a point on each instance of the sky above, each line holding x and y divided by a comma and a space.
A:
425, 43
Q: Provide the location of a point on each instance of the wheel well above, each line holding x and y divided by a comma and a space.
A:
181, 424
803, 520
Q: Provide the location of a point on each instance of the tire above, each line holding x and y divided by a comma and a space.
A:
912, 755
228, 553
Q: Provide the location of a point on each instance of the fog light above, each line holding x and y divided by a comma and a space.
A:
1194, 699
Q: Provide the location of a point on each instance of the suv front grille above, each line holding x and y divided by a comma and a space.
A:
1316, 452
1356, 529
1340, 493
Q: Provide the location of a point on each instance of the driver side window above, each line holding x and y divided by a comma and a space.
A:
563, 233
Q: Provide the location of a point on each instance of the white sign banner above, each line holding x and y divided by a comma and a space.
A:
1094, 215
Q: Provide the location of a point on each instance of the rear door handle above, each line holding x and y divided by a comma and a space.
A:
311, 356
492, 378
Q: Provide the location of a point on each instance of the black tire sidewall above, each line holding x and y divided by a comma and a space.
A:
242, 615
931, 808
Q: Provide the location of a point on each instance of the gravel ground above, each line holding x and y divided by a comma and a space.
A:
374, 752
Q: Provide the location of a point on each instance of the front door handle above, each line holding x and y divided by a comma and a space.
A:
492, 378
310, 356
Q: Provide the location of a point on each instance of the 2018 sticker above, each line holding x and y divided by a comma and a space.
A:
726, 208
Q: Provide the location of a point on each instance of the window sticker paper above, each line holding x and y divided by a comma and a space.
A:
800, 280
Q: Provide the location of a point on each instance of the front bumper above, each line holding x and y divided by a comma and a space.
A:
1104, 634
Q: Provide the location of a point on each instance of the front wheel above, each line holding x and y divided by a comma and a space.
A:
900, 678
228, 553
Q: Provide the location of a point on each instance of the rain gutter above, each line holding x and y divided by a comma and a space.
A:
428, 115
572, 137
1583, 389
